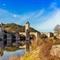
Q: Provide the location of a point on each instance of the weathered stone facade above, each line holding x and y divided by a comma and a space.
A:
8, 38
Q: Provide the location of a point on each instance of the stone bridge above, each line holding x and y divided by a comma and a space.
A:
31, 33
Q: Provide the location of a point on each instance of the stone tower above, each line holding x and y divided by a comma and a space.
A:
27, 31
27, 26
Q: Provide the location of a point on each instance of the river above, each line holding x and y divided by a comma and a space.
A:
8, 54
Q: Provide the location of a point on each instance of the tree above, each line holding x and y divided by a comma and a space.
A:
57, 28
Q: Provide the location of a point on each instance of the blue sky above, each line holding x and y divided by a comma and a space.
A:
43, 15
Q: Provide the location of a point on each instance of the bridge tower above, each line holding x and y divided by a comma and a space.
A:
27, 31
27, 26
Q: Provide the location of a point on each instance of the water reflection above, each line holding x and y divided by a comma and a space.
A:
1, 52
7, 54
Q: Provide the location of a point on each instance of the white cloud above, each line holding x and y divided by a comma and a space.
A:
51, 22
38, 19
8, 17
33, 17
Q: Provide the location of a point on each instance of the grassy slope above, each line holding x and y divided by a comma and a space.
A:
13, 27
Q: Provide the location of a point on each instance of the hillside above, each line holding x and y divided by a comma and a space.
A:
14, 27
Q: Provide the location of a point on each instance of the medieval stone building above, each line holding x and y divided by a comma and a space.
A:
8, 38
27, 27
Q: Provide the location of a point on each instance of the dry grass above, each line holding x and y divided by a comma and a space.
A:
40, 52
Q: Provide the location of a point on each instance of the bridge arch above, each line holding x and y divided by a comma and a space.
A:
22, 37
32, 36
35, 34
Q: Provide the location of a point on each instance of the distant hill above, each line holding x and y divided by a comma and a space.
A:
14, 27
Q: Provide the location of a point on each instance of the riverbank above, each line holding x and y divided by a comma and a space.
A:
41, 52
12, 48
